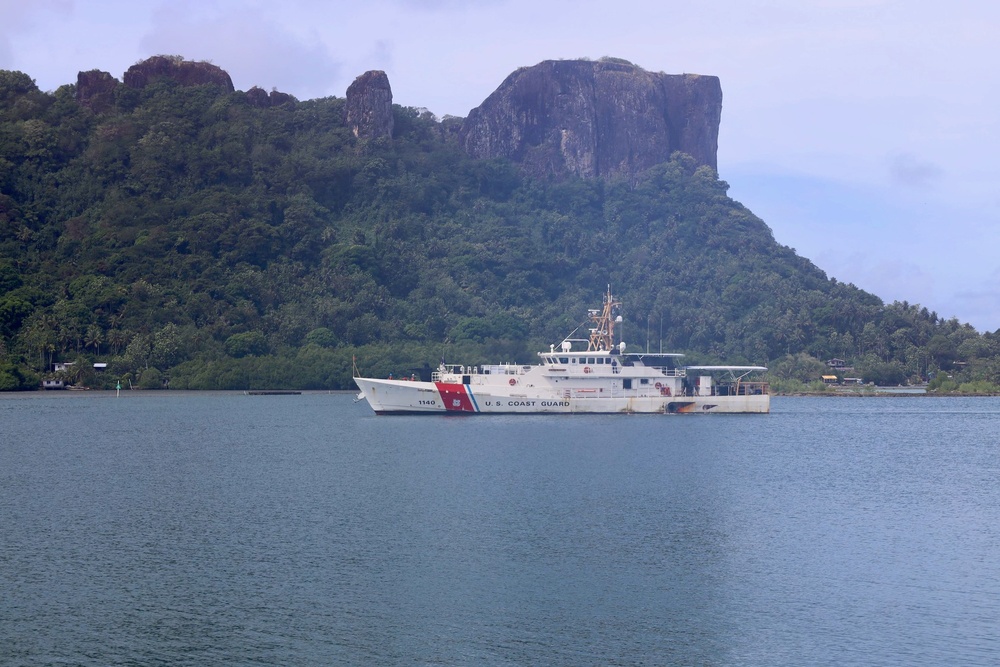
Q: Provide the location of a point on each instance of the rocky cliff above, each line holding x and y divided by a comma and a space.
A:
369, 106
96, 90
258, 97
185, 72
605, 119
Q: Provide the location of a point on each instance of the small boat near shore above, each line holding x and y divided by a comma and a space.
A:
603, 378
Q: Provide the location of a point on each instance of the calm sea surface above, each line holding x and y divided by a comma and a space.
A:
219, 529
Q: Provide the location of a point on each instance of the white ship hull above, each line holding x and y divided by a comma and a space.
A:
599, 379
388, 397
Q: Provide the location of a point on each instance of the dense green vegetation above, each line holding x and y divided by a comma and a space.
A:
186, 237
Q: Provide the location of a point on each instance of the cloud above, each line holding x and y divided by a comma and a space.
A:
437, 5
897, 246
982, 302
255, 49
908, 171
382, 54
892, 279
20, 17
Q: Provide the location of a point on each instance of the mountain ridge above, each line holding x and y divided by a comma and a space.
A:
593, 119
191, 235
596, 119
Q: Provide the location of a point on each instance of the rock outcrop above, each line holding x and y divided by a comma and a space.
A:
605, 119
184, 72
96, 90
369, 106
258, 97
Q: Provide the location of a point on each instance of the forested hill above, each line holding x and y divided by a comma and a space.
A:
184, 235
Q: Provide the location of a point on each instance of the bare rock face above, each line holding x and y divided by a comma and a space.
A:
259, 98
607, 119
96, 89
185, 72
278, 98
369, 106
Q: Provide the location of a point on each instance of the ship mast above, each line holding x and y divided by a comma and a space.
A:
602, 334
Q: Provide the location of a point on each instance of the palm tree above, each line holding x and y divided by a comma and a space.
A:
117, 340
94, 337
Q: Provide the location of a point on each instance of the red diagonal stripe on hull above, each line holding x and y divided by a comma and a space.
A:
454, 397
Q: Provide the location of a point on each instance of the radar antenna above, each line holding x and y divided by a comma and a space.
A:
602, 333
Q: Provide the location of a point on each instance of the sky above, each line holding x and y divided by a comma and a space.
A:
865, 133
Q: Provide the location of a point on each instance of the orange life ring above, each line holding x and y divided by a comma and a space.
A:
512, 382
659, 385
586, 369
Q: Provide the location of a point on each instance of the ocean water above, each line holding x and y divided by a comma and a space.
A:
218, 529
